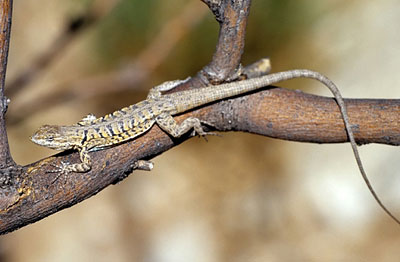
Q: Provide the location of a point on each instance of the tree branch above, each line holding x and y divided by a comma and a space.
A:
5, 28
275, 112
33, 193
225, 64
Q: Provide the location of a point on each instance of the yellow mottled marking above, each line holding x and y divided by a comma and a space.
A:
126, 125
92, 134
104, 132
115, 128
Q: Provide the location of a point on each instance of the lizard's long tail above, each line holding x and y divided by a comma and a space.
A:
214, 93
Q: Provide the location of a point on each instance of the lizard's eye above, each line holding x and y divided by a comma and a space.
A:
50, 138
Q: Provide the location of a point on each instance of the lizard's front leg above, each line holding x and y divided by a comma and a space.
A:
86, 164
167, 123
155, 92
66, 168
83, 167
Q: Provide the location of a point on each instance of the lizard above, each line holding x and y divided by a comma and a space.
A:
93, 133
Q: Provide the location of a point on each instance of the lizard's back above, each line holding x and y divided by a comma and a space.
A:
119, 126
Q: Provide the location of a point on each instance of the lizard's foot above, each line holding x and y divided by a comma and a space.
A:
209, 134
198, 129
60, 170
204, 134
143, 165
170, 126
65, 168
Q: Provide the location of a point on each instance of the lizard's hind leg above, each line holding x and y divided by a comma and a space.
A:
167, 123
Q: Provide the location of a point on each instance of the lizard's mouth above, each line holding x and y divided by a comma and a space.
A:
34, 139
48, 142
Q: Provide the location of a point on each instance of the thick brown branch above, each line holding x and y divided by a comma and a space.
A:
35, 193
5, 28
225, 64
227, 56
31, 195
274, 112
301, 117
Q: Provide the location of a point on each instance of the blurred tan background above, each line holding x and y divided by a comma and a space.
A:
237, 198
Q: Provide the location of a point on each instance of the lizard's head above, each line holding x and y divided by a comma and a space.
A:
52, 137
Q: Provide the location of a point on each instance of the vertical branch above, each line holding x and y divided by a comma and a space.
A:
232, 17
225, 65
5, 27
